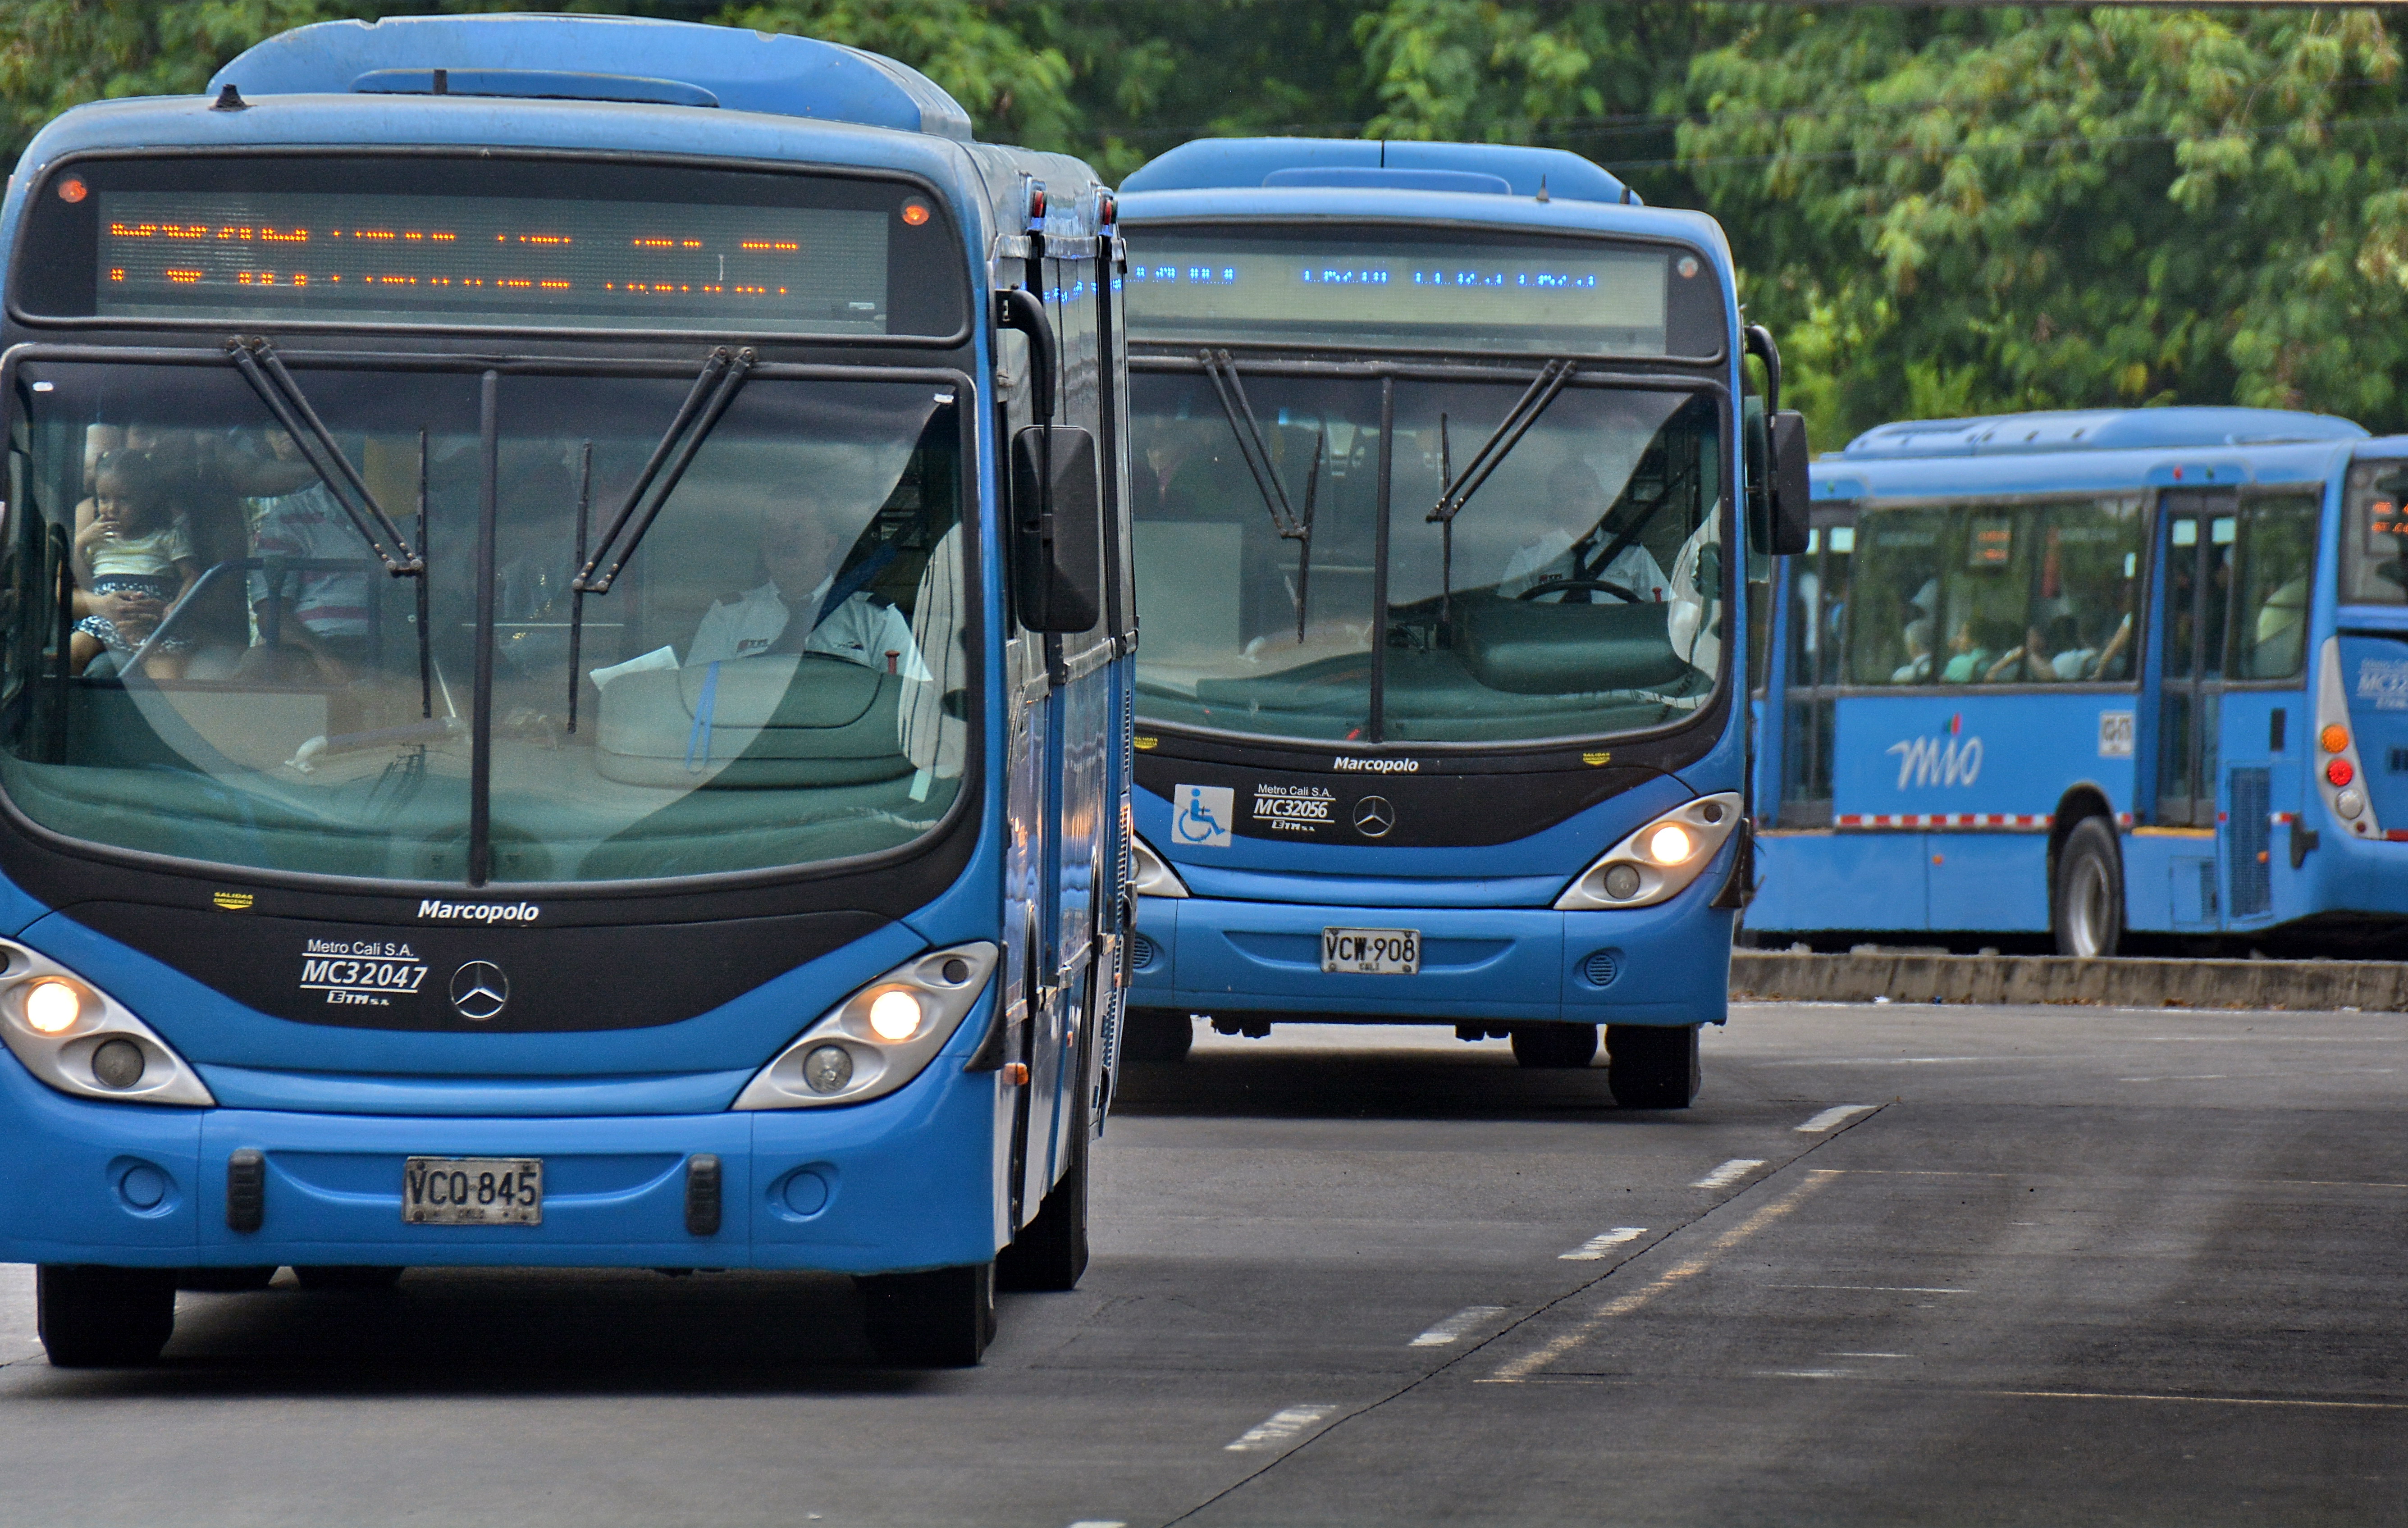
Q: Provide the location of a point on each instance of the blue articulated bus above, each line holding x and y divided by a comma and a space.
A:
566, 678
1439, 456
2067, 678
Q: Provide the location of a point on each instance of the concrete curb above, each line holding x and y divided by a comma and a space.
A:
1784, 976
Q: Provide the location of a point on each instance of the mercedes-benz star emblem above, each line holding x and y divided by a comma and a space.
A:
1374, 817
478, 991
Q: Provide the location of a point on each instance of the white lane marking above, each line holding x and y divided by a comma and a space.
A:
1904, 1061
1729, 1173
2202, 1400
1803, 1374
1277, 1428
1100, 1523
1597, 1246
1873, 1289
1867, 1355
1454, 1326
1834, 1117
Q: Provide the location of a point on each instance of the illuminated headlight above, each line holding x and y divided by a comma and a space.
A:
80, 1040
878, 1038
1152, 872
1657, 860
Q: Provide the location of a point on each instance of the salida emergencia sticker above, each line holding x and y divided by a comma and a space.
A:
1294, 809
363, 972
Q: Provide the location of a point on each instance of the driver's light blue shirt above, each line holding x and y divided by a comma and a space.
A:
860, 630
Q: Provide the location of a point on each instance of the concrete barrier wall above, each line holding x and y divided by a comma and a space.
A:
1781, 976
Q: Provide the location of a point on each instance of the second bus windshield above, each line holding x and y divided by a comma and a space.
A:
1575, 594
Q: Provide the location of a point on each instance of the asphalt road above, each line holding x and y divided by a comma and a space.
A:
1899, 1265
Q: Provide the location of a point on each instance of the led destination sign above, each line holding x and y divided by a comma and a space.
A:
1559, 297
403, 258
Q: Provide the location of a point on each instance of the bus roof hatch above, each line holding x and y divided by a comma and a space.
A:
1490, 168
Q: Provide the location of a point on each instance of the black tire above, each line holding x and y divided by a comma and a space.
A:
1651, 1066
93, 1318
226, 1280
347, 1278
1050, 1255
1554, 1045
1156, 1035
2085, 906
940, 1319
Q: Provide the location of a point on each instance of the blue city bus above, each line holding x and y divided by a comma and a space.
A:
565, 679
1438, 453
2066, 679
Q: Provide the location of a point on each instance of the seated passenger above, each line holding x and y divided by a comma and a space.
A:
811, 604
1584, 529
1967, 656
2279, 639
323, 612
2033, 660
134, 555
1917, 667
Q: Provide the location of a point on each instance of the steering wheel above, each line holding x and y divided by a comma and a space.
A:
1567, 585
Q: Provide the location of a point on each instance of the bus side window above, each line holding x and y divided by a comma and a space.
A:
2087, 601
1890, 628
2277, 556
1985, 592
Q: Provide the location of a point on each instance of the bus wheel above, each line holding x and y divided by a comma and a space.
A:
226, 1280
1554, 1045
347, 1278
103, 1318
2088, 907
940, 1319
1651, 1066
1050, 1254
1160, 1035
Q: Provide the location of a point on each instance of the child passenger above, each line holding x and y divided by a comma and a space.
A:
134, 555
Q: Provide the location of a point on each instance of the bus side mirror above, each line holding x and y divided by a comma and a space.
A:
1791, 489
1057, 529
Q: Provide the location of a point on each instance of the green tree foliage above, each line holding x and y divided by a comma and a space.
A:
1938, 210
1952, 211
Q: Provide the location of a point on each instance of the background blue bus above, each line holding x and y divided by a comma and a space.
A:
564, 691
2070, 676
1437, 464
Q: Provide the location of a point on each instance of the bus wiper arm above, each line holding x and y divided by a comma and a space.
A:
1501, 441
715, 388
260, 365
1248, 432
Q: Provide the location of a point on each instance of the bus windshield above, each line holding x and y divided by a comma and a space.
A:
207, 657
1575, 593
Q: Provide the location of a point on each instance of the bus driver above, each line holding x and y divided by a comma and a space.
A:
802, 550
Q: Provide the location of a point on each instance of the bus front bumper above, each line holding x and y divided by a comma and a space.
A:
1665, 964
901, 1182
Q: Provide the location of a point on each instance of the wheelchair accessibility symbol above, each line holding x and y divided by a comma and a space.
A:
1201, 815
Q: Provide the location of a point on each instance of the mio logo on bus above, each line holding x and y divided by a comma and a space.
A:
1953, 760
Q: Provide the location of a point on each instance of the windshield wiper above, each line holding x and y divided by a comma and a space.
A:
1257, 452
260, 365
715, 388
1457, 491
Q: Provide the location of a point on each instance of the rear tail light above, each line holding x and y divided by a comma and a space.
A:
2337, 781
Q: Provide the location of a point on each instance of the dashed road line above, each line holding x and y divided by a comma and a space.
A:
1729, 1173
1531, 1362
1279, 1429
1597, 1246
1834, 1117
1453, 1327
1873, 1289
2202, 1400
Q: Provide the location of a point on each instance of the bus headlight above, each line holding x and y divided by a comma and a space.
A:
79, 1039
1657, 860
1150, 872
878, 1038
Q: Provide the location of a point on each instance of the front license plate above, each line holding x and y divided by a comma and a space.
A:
472, 1191
1372, 952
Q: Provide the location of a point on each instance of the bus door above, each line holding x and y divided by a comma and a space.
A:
1818, 595
2197, 528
